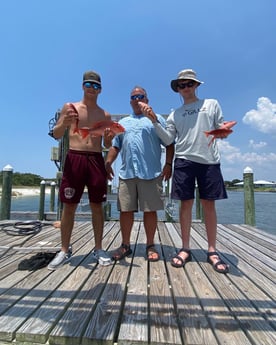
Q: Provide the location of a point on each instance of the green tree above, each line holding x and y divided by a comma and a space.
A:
23, 179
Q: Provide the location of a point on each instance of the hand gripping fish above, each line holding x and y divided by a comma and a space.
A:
99, 127
76, 129
222, 132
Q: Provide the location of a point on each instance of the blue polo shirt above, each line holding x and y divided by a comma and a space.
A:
140, 148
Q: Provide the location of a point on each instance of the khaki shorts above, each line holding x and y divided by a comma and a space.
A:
144, 195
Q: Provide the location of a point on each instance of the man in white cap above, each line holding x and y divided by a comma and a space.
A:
195, 160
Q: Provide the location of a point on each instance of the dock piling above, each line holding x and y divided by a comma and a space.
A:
249, 201
6, 192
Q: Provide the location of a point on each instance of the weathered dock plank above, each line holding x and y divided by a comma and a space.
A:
192, 320
61, 288
136, 302
134, 327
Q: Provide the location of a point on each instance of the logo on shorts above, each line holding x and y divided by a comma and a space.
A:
69, 192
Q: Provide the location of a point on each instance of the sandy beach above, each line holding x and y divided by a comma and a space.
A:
26, 191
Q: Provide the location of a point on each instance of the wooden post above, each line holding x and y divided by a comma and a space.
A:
249, 202
52, 196
168, 217
64, 147
42, 200
167, 188
199, 214
6, 192
107, 210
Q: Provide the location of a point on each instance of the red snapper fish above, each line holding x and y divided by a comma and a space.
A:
97, 130
222, 132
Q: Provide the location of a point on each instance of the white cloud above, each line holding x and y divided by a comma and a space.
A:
233, 154
264, 117
256, 146
233, 162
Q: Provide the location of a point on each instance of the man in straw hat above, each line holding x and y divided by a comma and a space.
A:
195, 161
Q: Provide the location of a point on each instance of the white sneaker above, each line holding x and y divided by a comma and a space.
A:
60, 259
101, 256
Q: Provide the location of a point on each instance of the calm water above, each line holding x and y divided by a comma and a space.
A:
229, 211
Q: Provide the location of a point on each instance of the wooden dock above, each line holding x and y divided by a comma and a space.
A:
136, 302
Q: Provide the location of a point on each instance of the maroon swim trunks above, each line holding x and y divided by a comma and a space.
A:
82, 169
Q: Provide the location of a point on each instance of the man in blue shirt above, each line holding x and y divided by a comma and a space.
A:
140, 175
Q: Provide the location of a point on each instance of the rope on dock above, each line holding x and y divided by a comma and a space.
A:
24, 228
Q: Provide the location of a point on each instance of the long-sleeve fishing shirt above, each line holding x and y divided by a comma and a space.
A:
186, 126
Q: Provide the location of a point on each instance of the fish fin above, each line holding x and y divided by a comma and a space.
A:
211, 141
206, 133
84, 133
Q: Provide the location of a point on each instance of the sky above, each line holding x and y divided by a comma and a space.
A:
46, 46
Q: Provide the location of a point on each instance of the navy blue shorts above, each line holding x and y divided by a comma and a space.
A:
209, 180
82, 169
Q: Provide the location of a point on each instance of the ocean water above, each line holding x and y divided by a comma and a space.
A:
229, 211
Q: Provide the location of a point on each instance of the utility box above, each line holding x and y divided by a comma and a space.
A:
55, 154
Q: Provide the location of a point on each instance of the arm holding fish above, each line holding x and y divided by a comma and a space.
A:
167, 134
111, 156
108, 135
224, 130
68, 116
107, 138
228, 125
224, 126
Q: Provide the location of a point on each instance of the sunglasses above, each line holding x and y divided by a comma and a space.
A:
184, 85
95, 86
135, 97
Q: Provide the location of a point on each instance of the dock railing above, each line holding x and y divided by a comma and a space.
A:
6, 197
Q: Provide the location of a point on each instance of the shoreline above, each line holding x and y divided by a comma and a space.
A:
25, 191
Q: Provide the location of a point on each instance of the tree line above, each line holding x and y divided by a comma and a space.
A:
28, 179
23, 179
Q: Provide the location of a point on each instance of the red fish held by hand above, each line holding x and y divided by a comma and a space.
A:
97, 130
76, 129
222, 132
228, 124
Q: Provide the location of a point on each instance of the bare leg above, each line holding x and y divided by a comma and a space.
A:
185, 216
210, 217
126, 222
67, 224
150, 223
98, 223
